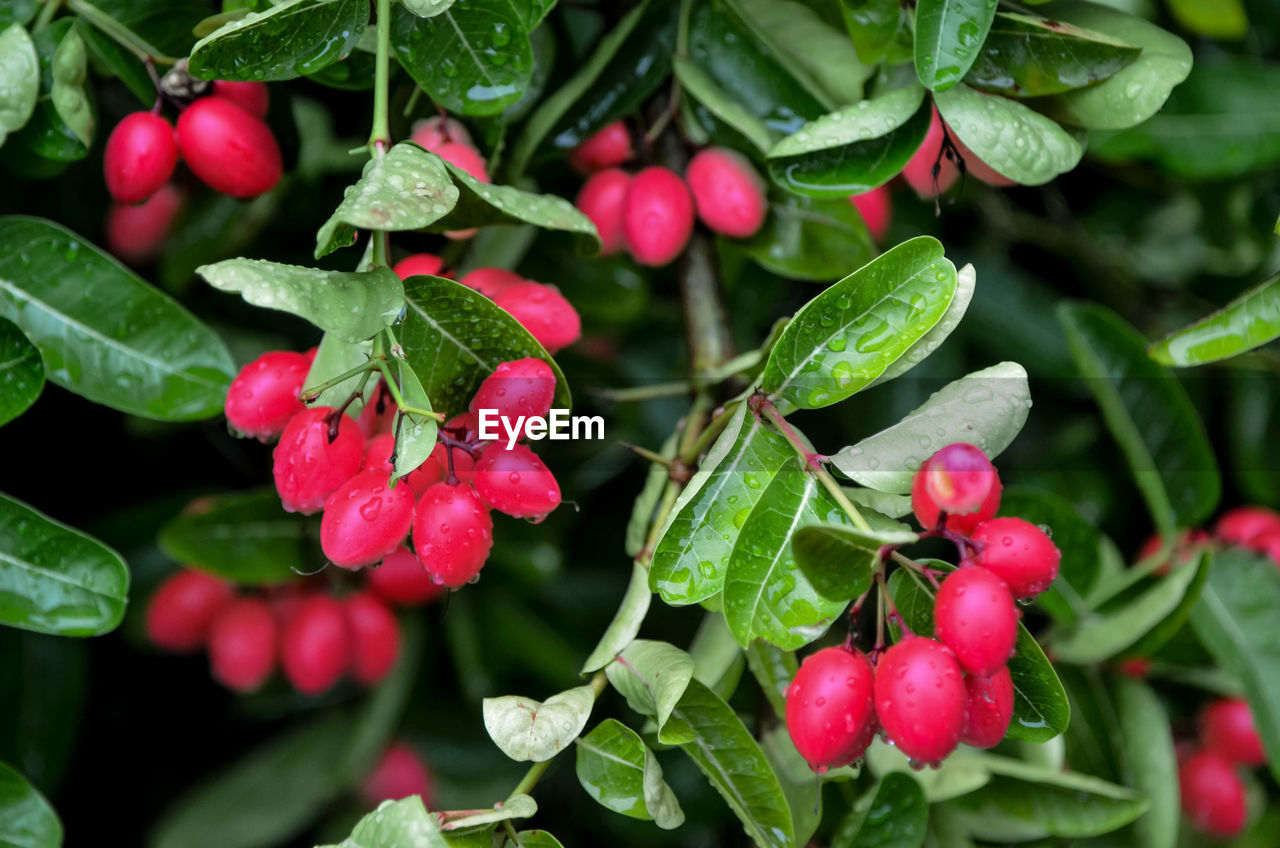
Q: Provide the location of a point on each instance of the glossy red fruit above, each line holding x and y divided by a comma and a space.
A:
253, 97
602, 199
1244, 525
830, 711
452, 534
1019, 552
515, 482
377, 457
919, 171
307, 466
399, 773
921, 698
137, 233
365, 519
426, 264
463, 463
242, 644
657, 216
401, 579
491, 282
990, 709
1213, 796
139, 157
183, 608
1269, 544
228, 148
433, 132
464, 156
263, 397
521, 387
378, 413
927, 512
544, 312
876, 210
974, 615
1227, 728
727, 192
375, 638
611, 145
315, 647
958, 478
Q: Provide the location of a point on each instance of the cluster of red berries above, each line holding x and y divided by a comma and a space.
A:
1213, 795
929, 694
450, 140
1255, 528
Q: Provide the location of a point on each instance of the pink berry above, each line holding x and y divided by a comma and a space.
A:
974, 616
830, 711
399, 773
1019, 553
315, 647
230, 149
927, 512
452, 534
424, 264
727, 192
464, 156
137, 233
603, 199
433, 132
958, 478
520, 388
975, 167
921, 698
377, 457
1188, 544
401, 579
242, 644
378, 413
253, 97
139, 157
516, 482
463, 463
611, 145
183, 608
1213, 796
919, 171
365, 519
876, 209
263, 397
990, 708
544, 312
491, 282
1244, 525
375, 638
1227, 728
657, 216
308, 467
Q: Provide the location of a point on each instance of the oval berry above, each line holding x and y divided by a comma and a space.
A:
375, 638
136, 233
242, 644
463, 463
611, 145
464, 156
365, 519
263, 397
228, 148
515, 482
452, 534
401, 579
830, 710
183, 608
1244, 525
1213, 796
415, 264
139, 157
1227, 728
253, 97
918, 172
378, 413
307, 466
315, 647
544, 312
727, 192
433, 132
921, 698
399, 773
491, 282
377, 457
876, 210
927, 512
602, 199
975, 616
990, 708
1019, 553
657, 216
521, 387
958, 478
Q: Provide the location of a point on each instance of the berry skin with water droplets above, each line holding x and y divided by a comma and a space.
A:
926, 511
375, 638
183, 608
401, 579
1213, 796
544, 312
958, 478
1244, 525
975, 616
377, 457
452, 534
491, 282
464, 156
611, 145
136, 233
139, 157
521, 387
315, 647
418, 264
242, 644
657, 216
515, 482
727, 192
830, 711
308, 467
228, 148
1019, 553
921, 698
399, 773
876, 210
253, 97
433, 132
263, 397
602, 199
990, 709
1227, 728
365, 519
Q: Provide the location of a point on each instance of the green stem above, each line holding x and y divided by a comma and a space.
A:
47, 11
113, 29
404, 407
709, 434
675, 388
380, 136
309, 395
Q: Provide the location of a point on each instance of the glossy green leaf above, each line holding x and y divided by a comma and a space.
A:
872, 25
774, 669
396, 824
20, 68
21, 372
1150, 764
619, 771
454, 337
846, 337
1076, 538
1249, 321
1013, 140
837, 558
427, 8
415, 434
103, 332
626, 621
68, 93
26, 818
718, 662
812, 50
333, 358
699, 85
1027, 56
986, 408
885, 503
652, 676
1225, 19
515, 807
966, 282
804, 238
894, 816
531, 731
538, 839
282, 42
1149, 416
949, 36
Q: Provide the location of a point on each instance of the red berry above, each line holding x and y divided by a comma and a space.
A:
183, 608
308, 467
1244, 525
602, 199
401, 579
463, 463
876, 210
1187, 545
136, 233
315, 647
727, 192
242, 644
927, 511
491, 282
516, 482
464, 156
365, 519
425, 264
1135, 667
544, 312
1269, 544
377, 457
263, 397
522, 387
228, 148
610, 146
253, 97
377, 414
921, 698
400, 772
657, 216
990, 708
139, 157
375, 638
830, 712
974, 616
452, 534
1226, 728
1019, 553
919, 171
433, 132
1213, 795
958, 478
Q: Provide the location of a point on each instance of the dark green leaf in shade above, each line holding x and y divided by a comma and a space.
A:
41, 714
801, 787
127, 67
814, 51
718, 661
774, 669
1150, 764
21, 372
949, 36
17, 11
720, 104
895, 815
804, 238
1249, 321
283, 42
619, 771
168, 28
872, 25
646, 503
837, 559
26, 818
1010, 137
1026, 56
1076, 538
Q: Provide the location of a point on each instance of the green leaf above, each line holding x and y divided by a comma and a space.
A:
1149, 416
774, 669
20, 67
537, 839
1076, 538
352, 305
1249, 321
55, 579
1013, 140
427, 8
474, 58
415, 434
646, 503
966, 282
396, 824
530, 731
717, 660
17, 11
895, 816
802, 790
872, 26
846, 337
21, 372
334, 357
804, 238
26, 818
1225, 19
283, 42
103, 332
699, 85
653, 676
119, 62
1135, 93
626, 621
836, 558
454, 337
166, 29
1150, 764
949, 36
620, 772
515, 807
68, 93
1026, 56
986, 408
